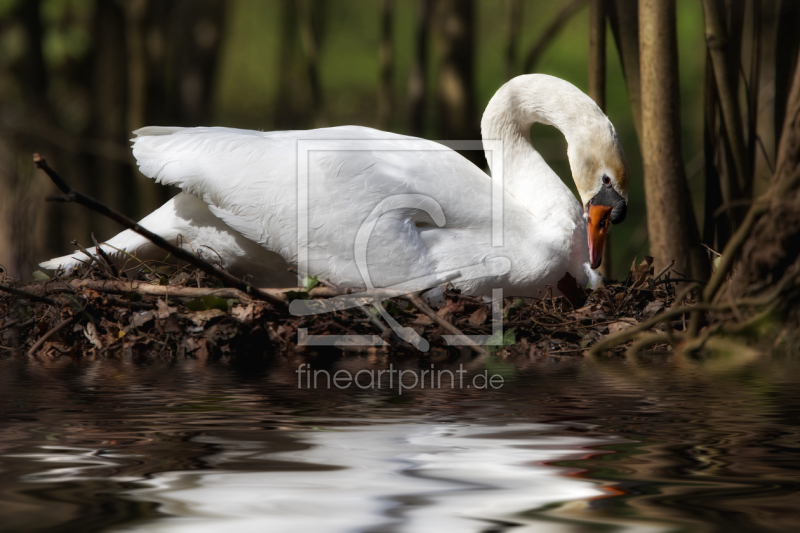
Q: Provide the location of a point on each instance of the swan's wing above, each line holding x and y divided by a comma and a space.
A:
249, 179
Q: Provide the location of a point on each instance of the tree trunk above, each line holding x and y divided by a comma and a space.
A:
670, 218
787, 45
597, 86
288, 109
418, 81
723, 56
514, 24
385, 60
715, 230
624, 18
21, 204
458, 118
196, 28
310, 37
147, 193
109, 99
772, 250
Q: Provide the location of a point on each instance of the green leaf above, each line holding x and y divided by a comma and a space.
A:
502, 338
296, 295
40, 276
516, 304
207, 303
133, 297
309, 282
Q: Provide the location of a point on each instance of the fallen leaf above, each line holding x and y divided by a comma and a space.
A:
621, 325
163, 310
142, 318
422, 320
479, 316
201, 317
90, 331
244, 313
574, 293
653, 308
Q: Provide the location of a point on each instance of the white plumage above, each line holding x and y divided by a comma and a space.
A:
239, 200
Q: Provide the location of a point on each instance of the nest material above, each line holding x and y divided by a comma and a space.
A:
169, 312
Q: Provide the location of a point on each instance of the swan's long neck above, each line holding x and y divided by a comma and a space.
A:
540, 98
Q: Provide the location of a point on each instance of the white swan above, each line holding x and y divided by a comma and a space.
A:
239, 200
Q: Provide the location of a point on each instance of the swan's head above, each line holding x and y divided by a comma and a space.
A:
600, 172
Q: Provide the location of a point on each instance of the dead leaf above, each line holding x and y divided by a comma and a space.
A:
201, 317
653, 308
621, 325
163, 310
244, 314
574, 293
142, 318
422, 320
479, 316
90, 331
639, 274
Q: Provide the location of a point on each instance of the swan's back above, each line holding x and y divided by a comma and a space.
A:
249, 179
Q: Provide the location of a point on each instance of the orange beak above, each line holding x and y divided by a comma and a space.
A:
597, 229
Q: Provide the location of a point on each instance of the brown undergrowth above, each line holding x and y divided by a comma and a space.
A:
169, 312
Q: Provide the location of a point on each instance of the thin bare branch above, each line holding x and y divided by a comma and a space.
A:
58, 327
550, 32
27, 296
71, 195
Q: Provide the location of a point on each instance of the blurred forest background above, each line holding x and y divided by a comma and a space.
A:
77, 76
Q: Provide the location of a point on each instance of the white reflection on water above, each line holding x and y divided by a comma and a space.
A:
394, 476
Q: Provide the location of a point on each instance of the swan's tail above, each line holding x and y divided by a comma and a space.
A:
127, 248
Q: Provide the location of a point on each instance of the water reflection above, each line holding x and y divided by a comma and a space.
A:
661, 445
391, 476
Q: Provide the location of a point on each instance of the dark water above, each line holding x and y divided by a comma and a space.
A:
567, 446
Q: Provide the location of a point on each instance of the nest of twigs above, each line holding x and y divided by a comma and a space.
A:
170, 312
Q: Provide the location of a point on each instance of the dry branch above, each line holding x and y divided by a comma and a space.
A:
71, 195
430, 313
26, 295
58, 327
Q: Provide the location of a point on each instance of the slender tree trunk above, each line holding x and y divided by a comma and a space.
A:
147, 192
109, 99
713, 197
418, 81
771, 250
196, 28
670, 218
287, 108
597, 85
309, 36
22, 204
754, 88
514, 24
386, 59
458, 118
550, 32
624, 18
721, 52
787, 45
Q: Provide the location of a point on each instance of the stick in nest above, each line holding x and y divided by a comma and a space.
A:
71, 195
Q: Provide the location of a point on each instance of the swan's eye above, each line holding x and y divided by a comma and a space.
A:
606, 180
